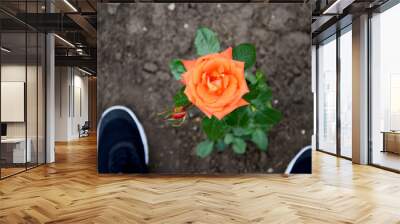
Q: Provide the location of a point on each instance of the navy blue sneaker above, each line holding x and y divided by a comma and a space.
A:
301, 163
121, 142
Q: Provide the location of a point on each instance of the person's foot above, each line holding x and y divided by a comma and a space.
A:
121, 142
301, 162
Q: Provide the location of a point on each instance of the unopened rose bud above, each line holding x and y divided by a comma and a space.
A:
179, 115
179, 109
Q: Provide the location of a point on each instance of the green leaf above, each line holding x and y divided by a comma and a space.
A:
204, 148
260, 76
251, 78
246, 53
239, 146
228, 138
252, 94
260, 139
268, 116
206, 42
258, 88
180, 98
265, 95
220, 145
261, 102
238, 117
213, 128
177, 68
242, 131
274, 114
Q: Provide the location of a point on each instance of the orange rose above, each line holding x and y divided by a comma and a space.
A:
215, 83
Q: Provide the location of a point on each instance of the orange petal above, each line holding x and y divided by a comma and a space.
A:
197, 72
227, 53
211, 65
229, 93
205, 95
204, 109
239, 64
244, 88
189, 94
241, 102
229, 109
189, 64
184, 78
220, 115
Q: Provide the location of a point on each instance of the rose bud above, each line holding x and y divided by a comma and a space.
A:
178, 113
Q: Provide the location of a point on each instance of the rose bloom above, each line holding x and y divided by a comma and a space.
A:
215, 83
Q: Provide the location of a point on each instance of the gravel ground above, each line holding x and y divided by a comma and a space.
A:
137, 41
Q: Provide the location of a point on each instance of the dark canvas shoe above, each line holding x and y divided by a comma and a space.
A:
121, 142
301, 163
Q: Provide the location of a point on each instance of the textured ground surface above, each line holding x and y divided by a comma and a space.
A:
137, 41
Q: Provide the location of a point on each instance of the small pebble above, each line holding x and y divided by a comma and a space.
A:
163, 75
118, 55
171, 6
185, 25
112, 8
150, 67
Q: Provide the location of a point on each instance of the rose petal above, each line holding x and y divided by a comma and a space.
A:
215, 65
197, 73
227, 53
229, 93
205, 95
189, 64
239, 65
184, 77
229, 109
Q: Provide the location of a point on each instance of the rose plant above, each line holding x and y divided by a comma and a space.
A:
236, 102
